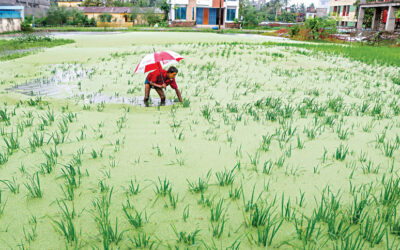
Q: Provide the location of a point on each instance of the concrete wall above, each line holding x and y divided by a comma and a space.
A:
9, 24
32, 7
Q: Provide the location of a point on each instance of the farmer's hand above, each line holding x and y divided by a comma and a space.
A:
164, 85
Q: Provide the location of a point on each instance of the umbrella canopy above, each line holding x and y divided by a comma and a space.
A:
153, 61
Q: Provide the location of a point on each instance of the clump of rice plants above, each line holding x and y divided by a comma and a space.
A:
188, 239
201, 185
163, 187
341, 152
225, 177
33, 186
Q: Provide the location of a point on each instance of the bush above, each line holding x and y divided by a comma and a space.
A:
62, 16
319, 28
26, 26
105, 17
314, 28
294, 30
152, 18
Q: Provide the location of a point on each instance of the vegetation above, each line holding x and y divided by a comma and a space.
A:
27, 44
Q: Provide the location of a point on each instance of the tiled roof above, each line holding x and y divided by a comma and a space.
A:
140, 10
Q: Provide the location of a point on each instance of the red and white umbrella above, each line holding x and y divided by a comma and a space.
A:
153, 61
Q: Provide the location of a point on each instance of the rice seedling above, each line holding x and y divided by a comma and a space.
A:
389, 148
163, 188
136, 219
260, 214
266, 234
188, 239
133, 187
12, 143
236, 193
2, 205
286, 210
4, 116
201, 185
206, 111
217, 228
349, 242
369, 167
185, 214
95, 154
266, 142
12, 185
33, 186
206, 201
372, 230
173, 200
341, 152
226, 177
342, 132
217, 211
65, 225
3, 158
102, 218
305, 228
142, 240
390, 192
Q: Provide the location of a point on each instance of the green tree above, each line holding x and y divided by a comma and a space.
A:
164, 6
287, 17
105, 17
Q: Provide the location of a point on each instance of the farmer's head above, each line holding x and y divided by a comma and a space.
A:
171, 72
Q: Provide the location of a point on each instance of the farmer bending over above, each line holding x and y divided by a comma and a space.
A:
154, 80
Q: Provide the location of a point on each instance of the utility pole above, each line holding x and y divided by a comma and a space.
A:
219, 19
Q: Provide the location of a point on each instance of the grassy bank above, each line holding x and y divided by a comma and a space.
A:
152, 29
382, 55
27, 44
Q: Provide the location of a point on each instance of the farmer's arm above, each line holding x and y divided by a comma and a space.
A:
178, 94
156, 85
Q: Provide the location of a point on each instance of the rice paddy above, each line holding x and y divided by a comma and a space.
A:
273, 146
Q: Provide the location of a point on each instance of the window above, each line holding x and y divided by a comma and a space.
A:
348, 10
230, 14
180, 13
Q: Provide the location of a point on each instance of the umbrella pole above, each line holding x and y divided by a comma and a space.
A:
158, 64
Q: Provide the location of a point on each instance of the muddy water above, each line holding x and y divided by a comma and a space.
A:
59, 86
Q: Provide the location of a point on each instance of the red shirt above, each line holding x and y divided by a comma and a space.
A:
156, 78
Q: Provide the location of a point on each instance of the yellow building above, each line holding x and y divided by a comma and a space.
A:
69, 3
120, 16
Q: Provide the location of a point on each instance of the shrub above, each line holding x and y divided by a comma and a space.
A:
26, 26
105, 17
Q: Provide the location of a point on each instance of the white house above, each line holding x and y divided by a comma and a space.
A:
207, 13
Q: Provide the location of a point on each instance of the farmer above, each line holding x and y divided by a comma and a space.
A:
154, 80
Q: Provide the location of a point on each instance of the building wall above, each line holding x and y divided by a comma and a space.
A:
116, 17
32, 7
347, 19
69, 4
192, 6
10, 24
120, 18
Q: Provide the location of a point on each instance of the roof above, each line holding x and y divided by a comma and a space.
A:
3, 7
140, 10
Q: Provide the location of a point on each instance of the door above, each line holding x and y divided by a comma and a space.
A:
212, 19
199, 15
205, 15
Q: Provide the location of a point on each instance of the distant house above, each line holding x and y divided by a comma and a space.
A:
322, 12
69, 3
121, 15
11, 18
204, 13
31, 7
310, 15
344, 12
